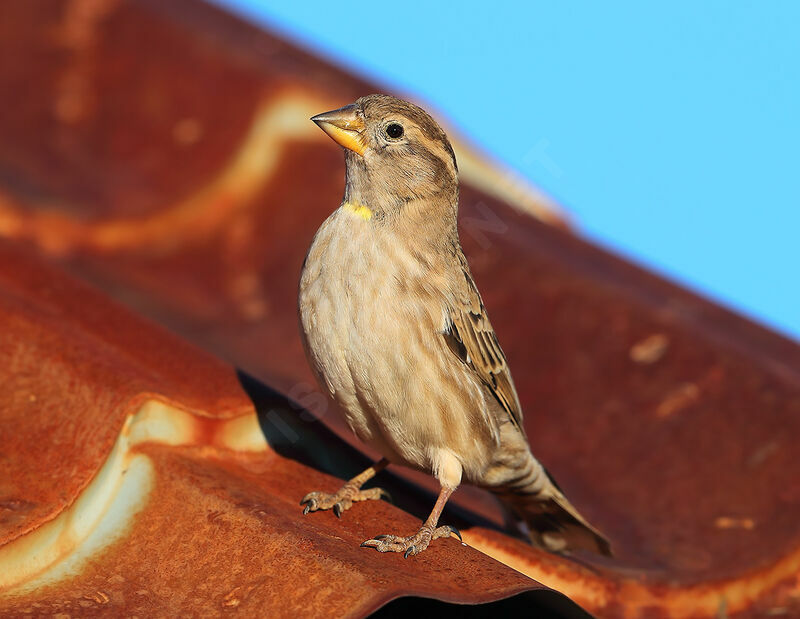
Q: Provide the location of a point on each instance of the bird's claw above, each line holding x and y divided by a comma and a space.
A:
342, 500
310, 502
308, 497
411, 545
451, 529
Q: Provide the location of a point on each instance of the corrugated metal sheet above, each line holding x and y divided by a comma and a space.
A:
137, 480
162, 151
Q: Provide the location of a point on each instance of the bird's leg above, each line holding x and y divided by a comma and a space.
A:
415, 544
347, 494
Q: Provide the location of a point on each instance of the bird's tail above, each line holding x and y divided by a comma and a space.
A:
552, 521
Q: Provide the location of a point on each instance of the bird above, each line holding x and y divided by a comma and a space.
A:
397, 334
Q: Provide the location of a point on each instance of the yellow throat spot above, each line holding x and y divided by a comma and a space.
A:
359, 210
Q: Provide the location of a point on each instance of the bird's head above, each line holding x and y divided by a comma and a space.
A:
395, 153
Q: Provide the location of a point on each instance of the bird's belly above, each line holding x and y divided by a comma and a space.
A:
349, 362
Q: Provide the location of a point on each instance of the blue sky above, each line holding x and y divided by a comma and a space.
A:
671, 129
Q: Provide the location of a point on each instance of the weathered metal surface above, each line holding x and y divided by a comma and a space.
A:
136, 479
162, 151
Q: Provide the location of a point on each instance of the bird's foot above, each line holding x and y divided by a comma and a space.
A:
341, 500
412, 545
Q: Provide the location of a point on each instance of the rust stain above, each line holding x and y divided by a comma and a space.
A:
239, 594
75, 98
649, 350
187, 131
726, 522
681, 397
98, 597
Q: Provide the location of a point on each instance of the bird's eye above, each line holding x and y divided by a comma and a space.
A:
394, 131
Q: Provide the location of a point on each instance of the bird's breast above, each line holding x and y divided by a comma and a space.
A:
362, 278
371, 309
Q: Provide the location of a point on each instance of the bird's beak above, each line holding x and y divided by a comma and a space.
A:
345, 126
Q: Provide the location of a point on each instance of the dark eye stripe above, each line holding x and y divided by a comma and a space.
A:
430, 130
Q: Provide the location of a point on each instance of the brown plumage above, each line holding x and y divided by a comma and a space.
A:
397, 333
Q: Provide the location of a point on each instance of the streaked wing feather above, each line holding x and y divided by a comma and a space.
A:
472, 339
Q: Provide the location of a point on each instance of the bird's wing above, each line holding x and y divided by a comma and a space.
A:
470, 336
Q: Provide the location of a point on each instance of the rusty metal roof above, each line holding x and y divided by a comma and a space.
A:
161, 152
137, 479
